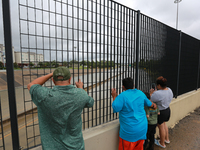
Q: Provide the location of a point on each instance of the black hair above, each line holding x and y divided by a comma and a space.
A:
128, 83
161, 81
147, 95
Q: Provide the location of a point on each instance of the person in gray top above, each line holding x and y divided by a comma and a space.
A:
162, 97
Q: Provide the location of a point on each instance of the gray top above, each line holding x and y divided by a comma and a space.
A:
162, 98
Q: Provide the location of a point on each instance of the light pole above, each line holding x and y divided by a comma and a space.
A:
177, 2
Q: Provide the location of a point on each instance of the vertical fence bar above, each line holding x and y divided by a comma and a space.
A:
110, 44
179, 61
87, 58
137, 48
126, 56
129, 43
135, 17
117, 19
96, 66
99, 65
198, 69
132, 45
25, 117
123, 39
107, 55
104, 53
10, 73
114, 48
141, 54
120, 48
2, 134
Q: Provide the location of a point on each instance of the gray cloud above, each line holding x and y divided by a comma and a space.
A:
165, 11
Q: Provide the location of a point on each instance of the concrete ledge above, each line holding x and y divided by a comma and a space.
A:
182, 106
105, 136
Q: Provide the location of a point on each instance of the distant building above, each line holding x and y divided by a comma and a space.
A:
3, 54
21, 58
26, 57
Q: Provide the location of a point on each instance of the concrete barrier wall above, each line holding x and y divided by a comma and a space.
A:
182, 106
106, 136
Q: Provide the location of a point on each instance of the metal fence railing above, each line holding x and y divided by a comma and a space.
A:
102, 42
95, 39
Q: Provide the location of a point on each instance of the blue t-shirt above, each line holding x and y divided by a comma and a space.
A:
132, 117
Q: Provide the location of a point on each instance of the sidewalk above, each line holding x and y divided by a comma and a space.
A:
186, 134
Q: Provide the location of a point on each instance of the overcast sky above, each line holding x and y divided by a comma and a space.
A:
166, 11
162, 10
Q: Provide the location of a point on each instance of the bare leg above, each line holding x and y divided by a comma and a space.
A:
166, 132
162, 133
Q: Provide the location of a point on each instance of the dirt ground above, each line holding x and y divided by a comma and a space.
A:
186, 134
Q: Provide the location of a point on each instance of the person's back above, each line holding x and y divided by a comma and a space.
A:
163, 98
133, 123
59, 112
152, 116
132, 116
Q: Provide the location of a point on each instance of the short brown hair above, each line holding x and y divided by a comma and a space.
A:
161, 81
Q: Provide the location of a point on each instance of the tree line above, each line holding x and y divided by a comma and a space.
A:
54, 64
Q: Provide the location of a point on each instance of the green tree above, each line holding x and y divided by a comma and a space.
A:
84, 63
102, 64
15, 65
41, 64
57, 65
47, 64
1, 64
71, 62
65, 63
93, 64
31, 64
54, 64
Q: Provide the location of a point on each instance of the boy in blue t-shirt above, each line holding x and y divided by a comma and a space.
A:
152, 115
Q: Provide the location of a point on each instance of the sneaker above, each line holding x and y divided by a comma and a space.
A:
157, 142
167, 142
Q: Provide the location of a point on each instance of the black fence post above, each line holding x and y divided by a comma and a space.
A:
198, 68
10, 73
2, 134
137, 48
179, 61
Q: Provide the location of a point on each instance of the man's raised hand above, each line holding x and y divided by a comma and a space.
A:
79, 84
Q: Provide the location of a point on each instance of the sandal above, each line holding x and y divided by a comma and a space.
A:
167, 142
158, 136
157, 142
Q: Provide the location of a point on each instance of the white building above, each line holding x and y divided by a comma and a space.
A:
24, 57
21, 58
3, 54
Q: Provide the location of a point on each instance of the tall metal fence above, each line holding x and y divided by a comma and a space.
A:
102, 42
